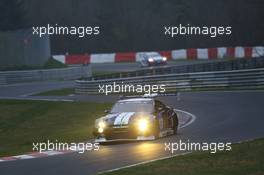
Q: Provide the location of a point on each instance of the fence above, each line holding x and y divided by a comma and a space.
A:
237, 64
242, 79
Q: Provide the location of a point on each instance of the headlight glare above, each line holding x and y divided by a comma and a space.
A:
151, 60
101, 124
142, 125
100, 130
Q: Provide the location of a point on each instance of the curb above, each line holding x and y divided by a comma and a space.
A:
191, 118
179, 54
33, 155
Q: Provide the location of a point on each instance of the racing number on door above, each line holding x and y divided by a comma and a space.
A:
160, 110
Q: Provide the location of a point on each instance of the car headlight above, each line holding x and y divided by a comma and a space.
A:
143, 125
101, 124
151, 60
164, 58
100, 130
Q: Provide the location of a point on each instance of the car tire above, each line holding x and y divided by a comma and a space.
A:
156, 129
175, 124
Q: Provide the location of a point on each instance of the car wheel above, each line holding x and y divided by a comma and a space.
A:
156, 129
175, 124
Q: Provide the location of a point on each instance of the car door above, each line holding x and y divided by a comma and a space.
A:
170, 114
162, 115
166, 118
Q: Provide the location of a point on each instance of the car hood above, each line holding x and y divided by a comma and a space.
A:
124, 118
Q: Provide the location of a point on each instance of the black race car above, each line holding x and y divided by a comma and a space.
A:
136, 119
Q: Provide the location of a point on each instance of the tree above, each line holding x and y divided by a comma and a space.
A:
12, 15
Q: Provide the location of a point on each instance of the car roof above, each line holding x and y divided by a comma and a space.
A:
137, 100
150, 53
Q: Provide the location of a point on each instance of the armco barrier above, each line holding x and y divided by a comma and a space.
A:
235, 64
10, 77
243, 79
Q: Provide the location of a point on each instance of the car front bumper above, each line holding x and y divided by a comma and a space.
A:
156, 63
123, 134
138, 138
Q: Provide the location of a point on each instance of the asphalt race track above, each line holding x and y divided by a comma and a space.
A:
26, 89
221, 117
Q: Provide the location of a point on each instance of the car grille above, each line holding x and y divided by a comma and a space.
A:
120, 133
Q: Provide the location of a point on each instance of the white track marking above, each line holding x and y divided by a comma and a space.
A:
24, 157
193, 118
30, 94
145, 162
51, 153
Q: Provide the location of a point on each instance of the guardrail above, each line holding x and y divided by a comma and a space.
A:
237, 64
243, 79
10, 77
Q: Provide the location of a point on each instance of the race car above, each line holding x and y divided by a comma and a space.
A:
151, 59
136, 119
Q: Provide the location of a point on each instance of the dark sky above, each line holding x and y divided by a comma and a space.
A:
138, 25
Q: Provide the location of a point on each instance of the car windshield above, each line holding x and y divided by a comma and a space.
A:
133, 106
154, 55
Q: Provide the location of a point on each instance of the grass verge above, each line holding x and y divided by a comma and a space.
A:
24, 122
57, 92
245, 158
50, 64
